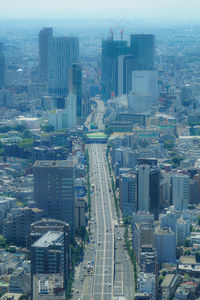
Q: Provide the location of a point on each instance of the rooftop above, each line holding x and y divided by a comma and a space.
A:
53, 163
169, 280
48, 286
49, 238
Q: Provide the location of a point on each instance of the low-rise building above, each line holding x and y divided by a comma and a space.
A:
147, 284
48, 287
13, 296
169, 285
20, 282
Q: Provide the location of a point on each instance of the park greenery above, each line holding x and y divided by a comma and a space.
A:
129, 249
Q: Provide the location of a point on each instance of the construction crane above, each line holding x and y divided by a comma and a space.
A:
121, 33
111, 34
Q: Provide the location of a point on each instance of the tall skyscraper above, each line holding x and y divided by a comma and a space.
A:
126, 65
149, 189
128, 194
142, 46
2, 66
75, 86
72, 110
44, 35
144, 90
63, 52
109, 72
54, 190
143, 187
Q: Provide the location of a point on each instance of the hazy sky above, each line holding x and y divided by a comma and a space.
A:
180, 9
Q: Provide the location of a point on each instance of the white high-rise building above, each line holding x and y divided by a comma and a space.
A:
58, 119
180, 190
182, 231
144, 90
62, 53
145, 82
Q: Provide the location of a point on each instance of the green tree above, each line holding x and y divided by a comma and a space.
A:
187, 243
108, 131
27, 134
3, 242
176, 161
20, 128
26, 143
186, 276
5, 128
187, 252
48, 128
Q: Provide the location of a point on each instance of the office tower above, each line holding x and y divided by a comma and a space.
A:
2, 66
143, 217
180, 191
39, 228
143, 234
126, 65
182, 231
165, 245
148, 260
128, 194
48, 255
54, 190
109, 73
143, 187
145, 83
154, 191
63, 52
148, 189
75, 86
72, 110
144, 91
119, 156
58, 119
44, 35
6, 97
132, 158
142, 47
53, 102
168, 218
17, 229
